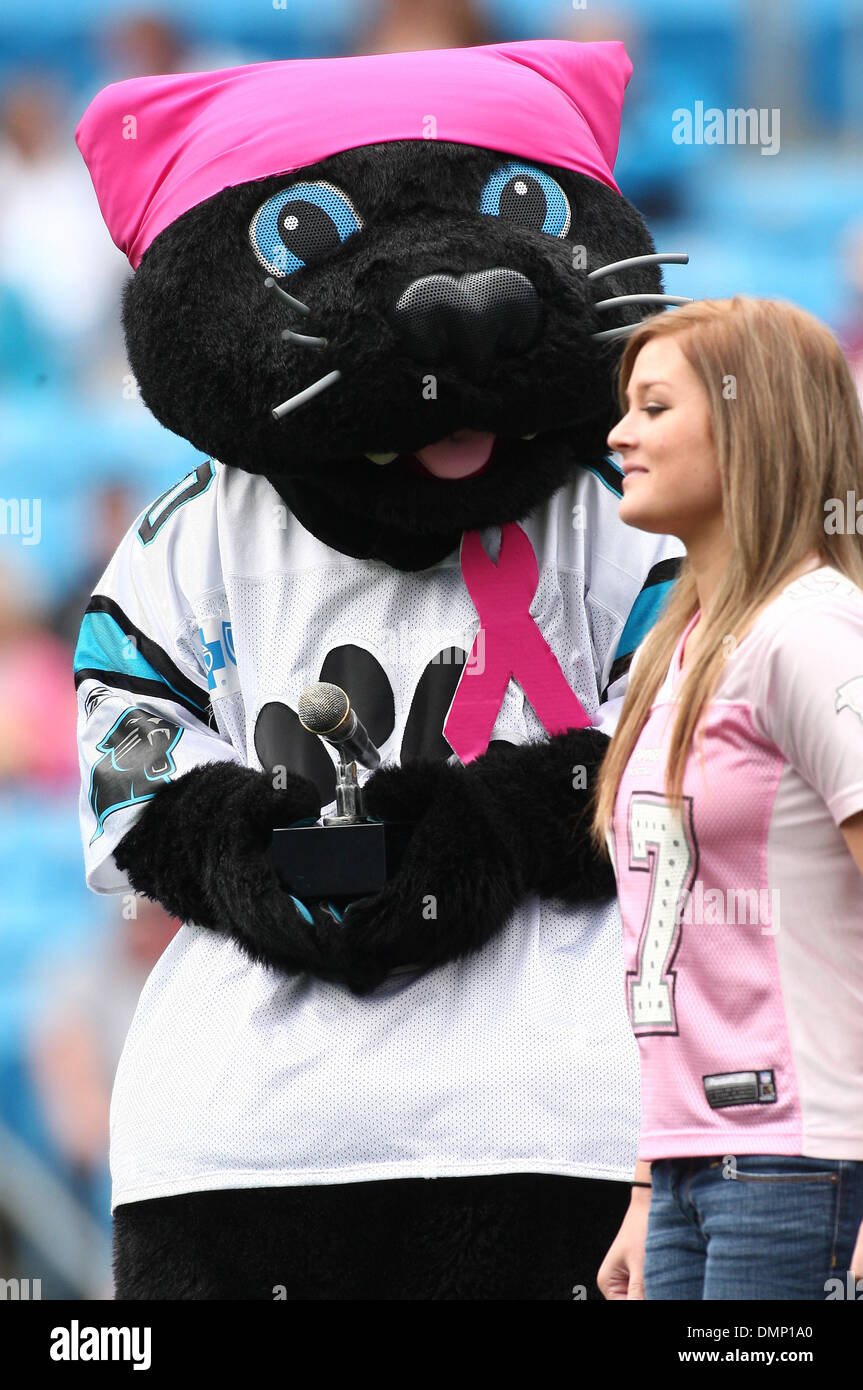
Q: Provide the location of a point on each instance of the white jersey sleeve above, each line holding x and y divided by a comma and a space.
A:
144, 712
809, 699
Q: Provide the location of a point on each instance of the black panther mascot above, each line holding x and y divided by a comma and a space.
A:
383, 296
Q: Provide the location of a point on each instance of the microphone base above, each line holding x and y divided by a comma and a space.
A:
339, 861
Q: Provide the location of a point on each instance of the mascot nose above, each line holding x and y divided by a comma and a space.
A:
471, 320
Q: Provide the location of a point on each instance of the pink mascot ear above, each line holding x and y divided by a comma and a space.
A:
593, 75
158, 146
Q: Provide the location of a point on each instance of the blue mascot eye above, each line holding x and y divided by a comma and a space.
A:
301, 225
521, 193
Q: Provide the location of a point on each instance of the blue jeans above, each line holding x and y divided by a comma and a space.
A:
755, 1226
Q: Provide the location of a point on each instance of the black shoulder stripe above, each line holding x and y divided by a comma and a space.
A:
191, 695
611, 476
138, 685
618, 669
662, 571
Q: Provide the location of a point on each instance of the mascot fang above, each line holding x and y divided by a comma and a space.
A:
382, 296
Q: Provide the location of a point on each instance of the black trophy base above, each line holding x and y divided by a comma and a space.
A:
338, 861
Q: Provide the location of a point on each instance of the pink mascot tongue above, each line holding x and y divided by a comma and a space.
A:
158, 146
460, 455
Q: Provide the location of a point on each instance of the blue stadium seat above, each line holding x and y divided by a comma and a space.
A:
64, 453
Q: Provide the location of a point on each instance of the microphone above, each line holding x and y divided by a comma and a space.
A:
347, 856
325, 710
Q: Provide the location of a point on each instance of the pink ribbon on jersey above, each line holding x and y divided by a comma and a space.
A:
513, 646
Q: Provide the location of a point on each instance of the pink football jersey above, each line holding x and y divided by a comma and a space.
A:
742, 911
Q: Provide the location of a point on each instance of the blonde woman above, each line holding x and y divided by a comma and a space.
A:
731, 799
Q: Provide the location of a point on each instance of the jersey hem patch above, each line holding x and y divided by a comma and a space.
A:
740, 1088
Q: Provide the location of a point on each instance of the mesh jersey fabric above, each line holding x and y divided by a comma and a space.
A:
517, 1059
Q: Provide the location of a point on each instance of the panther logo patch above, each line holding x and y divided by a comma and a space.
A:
136, 758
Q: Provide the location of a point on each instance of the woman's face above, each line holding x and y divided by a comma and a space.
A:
672, 478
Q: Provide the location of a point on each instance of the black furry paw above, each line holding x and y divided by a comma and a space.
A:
201, 848
458, 882
546, 790
405, 793
182, 844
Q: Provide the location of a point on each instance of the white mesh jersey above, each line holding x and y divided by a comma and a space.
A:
517, 1059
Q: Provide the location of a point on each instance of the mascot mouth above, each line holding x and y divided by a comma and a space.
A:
466, 453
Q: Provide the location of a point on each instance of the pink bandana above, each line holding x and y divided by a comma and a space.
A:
158, 146
512, 645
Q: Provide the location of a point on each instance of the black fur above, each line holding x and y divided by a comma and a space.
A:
526, 1236
485, 835
204, 341
549, 788
202, 850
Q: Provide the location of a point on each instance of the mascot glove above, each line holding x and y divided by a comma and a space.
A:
547, 789
538, 796
458, 882
202, 849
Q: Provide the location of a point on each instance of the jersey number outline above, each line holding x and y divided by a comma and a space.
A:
192, 485
661, 843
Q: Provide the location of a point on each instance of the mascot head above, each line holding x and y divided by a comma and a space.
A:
381, 281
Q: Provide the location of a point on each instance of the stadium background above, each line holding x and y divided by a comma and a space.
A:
80, 455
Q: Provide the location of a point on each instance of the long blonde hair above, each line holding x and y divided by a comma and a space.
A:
786, 425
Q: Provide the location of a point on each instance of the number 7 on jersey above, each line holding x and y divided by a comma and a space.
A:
661, 843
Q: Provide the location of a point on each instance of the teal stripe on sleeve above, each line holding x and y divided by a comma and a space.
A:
643, 615
104, 646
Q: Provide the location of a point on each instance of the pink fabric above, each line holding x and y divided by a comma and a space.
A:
158, 146
509, 643
743, 912
703, 983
